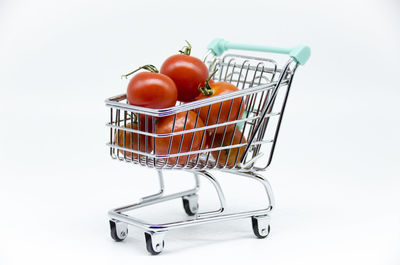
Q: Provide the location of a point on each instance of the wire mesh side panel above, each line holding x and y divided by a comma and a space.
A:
130, 136
187, 139
210, 136
245, 72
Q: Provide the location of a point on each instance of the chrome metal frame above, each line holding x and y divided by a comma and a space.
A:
257, 94
118, 214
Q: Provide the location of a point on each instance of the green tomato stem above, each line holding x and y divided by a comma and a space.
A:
135, 119
148, 67
186, 49
207, 90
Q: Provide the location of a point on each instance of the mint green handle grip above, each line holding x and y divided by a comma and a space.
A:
300, 53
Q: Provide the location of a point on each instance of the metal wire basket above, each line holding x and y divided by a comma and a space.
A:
234, 132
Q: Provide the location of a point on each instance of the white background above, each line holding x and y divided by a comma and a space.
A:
335, 173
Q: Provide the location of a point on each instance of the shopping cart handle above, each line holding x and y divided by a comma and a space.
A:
300, 53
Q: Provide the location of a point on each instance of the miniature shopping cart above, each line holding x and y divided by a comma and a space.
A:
264, 86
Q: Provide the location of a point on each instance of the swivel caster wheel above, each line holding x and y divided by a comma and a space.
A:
191, 204
261, 227
119, 230
154, 242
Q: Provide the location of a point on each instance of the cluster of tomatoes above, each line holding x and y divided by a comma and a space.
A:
183, 78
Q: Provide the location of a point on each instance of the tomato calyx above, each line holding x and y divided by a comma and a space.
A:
134, 118
148, 67
207, 89
186, 49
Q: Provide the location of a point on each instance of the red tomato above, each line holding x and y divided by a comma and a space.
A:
164, 125
131, 140
215, 89
188, 73
152, 90
141, 118
229, 156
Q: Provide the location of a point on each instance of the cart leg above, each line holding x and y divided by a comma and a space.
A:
261, 223
261, 226
191, 201
160, 192
221, 196
191, 204
267, 187
119, 230
155, 241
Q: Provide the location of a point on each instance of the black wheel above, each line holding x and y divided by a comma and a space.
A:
149, 245
190, 204
260, 232
117, 235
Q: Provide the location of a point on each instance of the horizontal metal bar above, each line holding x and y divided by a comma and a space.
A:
251, 57
185, 223
111, 102
186, 153
266, 70
222, 124
154, 200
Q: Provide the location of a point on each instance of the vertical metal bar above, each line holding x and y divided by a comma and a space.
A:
139, 125
267, 187
160, 192
146, 144
225, 129
280, 118
273, 96
153, 120
118, 124
111, 133
240, 74
191, 140
220, 194
170, 141
215, 130
227, 68
196, 180
124, 133
264, 127
181, 140
131, 136
253, 97
250, 106
206, 123
233, 72
233, 137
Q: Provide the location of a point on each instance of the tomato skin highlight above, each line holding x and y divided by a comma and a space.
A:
164, 125
152, 90
220, 88
230, 159
188, 73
